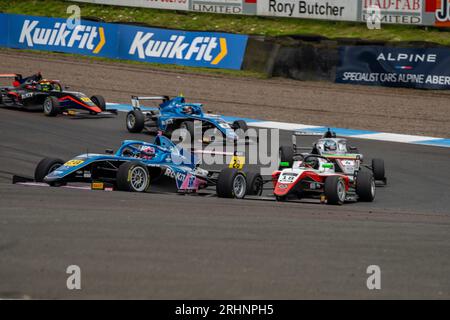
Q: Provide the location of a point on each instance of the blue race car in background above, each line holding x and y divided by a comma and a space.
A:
139, 166
175, 114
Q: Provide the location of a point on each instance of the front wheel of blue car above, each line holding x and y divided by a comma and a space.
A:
46, 166
132, 177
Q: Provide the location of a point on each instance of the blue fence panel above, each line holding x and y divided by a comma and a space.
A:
424, 68
198, 49
54, 34
3, 30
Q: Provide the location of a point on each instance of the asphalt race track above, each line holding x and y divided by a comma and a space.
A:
187, 247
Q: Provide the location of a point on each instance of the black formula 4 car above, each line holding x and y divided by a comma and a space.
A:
50, 96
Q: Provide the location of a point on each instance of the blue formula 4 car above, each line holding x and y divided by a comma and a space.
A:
139, 166
176, 113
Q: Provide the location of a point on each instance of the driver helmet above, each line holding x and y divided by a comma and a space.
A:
147, 152
44, 86
187, 109
330, 145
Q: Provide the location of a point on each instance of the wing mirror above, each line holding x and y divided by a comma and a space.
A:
353, 148
109, 151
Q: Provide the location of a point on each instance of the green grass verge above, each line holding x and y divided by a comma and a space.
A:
228, 23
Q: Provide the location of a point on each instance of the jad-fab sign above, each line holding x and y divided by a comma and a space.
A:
425, 68
201, 49
394, 11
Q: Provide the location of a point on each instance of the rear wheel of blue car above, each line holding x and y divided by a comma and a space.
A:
231, 184
133, 177
135, 121
255, 183
51, 106
99, 101
45, 167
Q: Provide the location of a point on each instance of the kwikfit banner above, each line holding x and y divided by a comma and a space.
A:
424, 68
53, 34
199, 49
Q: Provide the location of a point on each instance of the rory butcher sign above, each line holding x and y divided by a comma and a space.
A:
314, 9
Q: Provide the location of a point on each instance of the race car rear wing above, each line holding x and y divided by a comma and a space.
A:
10, 75
298, 149
135, 100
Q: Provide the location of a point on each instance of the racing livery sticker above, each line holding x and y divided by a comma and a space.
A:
237, 162
73, 163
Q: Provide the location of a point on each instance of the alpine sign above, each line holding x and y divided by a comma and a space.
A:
201, 49
424, 68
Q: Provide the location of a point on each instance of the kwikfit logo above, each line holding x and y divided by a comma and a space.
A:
83, 37
198, 49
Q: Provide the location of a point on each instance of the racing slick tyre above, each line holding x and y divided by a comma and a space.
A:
132, 177
51, 106
46, 166
335, 190
255, 183
286, 155
240, 124
188, 126
365, 186
135, 121
378, 169
231, 184
99, 101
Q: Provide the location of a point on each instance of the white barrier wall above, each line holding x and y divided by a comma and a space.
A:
412, 12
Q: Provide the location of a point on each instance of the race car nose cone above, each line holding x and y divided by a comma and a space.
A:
281, 189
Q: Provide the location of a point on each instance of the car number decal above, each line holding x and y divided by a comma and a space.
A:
85, 99
237, 162
73, 163
285, 178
